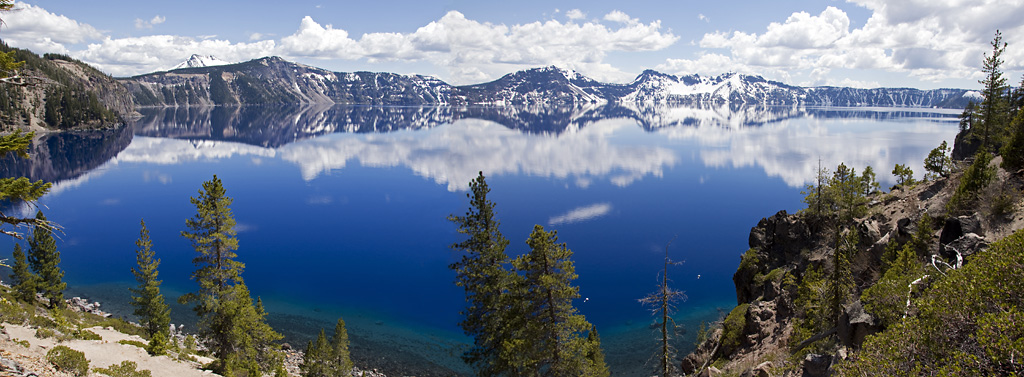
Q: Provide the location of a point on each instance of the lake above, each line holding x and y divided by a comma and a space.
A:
342, 210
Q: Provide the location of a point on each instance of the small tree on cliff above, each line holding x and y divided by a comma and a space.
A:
45, 261
483, 273
993, 106
146, 298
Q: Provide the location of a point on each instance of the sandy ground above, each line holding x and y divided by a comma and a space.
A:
100, 353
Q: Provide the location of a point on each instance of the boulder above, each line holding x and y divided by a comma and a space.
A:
710, 372
956, 227
855, 325
816, 365
967, 244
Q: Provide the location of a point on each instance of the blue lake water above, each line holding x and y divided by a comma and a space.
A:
341, 210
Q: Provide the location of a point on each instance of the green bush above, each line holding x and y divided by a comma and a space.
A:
975, 178
126, 369
68, 360
42, 322
732, 329
23, 343
967, 323
43, 333
132, 343
87, 335
13, 312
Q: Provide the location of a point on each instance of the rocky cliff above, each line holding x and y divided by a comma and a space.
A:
760, 336
57, 92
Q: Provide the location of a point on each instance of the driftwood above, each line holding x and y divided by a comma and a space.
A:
815, 338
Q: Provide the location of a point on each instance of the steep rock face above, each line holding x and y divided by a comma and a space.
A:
276, 81
57, 92
888, 97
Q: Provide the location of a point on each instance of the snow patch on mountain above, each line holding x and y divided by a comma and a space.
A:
197, 61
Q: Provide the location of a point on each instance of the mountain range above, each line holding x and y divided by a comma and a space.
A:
273, 80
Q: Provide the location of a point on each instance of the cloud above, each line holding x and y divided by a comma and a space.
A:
929, 40
36, 29
581, 214
470, 51
620, 17
156, 20
473, 50
702, 17
135, 55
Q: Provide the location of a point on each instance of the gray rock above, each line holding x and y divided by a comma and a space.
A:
855, 325
816, 365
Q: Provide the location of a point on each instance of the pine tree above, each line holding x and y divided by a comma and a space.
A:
23, 279
1013, 150
236, 329
553, 328
341, 361
20, 189
595, 355
938, 163
45, 261
482, 272
993, 106
315, 361
153, 312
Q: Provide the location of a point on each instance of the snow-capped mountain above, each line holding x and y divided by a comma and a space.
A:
273, 80
196, 61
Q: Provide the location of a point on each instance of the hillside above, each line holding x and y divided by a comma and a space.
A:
907, 257
57, 92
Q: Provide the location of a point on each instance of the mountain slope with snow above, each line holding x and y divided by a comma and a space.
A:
197, 61
273, 80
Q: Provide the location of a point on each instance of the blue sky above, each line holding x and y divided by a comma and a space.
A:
862, 43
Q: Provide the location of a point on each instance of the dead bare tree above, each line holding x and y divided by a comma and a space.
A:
662, 303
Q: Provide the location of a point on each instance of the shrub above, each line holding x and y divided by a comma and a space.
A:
129, 342
126, 369
42, 322
87, 335
732, 329
44, 332
975, 178
68, 360
23, 343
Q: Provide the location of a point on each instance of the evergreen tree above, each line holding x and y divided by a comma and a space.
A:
482, 272
869, 183
1013, 150
45, 261
23, 279
235, 328
993, 106
341, 361
19, 189
938, 163
315, 363
904, 175
553, 329
149, 304
595, 355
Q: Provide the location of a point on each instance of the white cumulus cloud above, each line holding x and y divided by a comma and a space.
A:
32, 27
143, 24
930, 40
